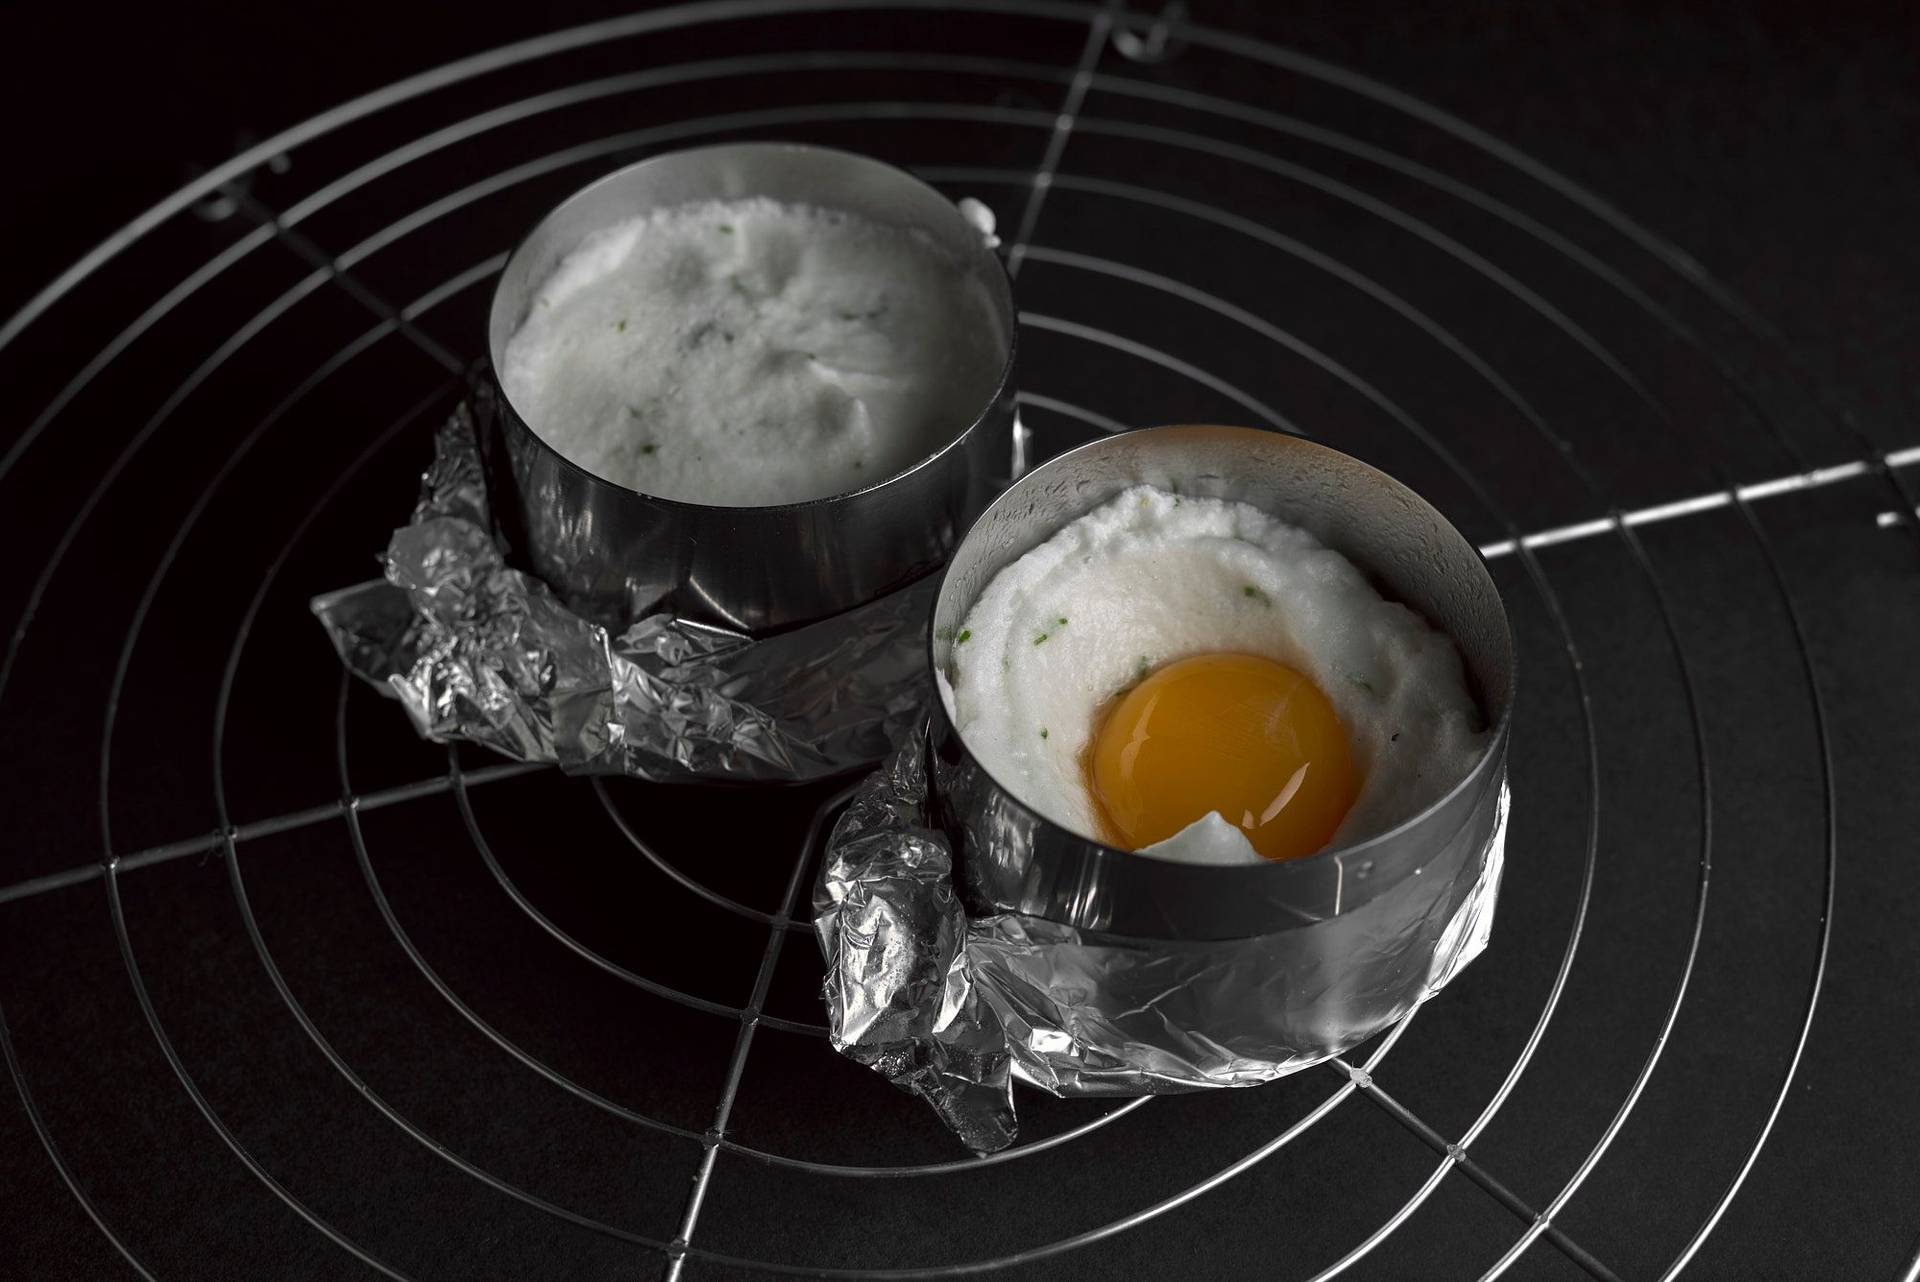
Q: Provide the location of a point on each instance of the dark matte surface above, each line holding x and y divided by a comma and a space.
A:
373, 1015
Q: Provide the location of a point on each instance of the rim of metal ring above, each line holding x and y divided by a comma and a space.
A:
1099, 23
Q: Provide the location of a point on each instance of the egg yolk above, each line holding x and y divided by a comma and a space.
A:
1243, 735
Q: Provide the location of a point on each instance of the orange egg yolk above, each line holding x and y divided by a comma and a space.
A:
1246, 736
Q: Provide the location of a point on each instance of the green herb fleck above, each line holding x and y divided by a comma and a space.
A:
648, 448
1362, 683
1041, 639
1043, 732
726, 229
1396, 737
620, 326
1063, 621
1143, 669
966, 635
1255, 594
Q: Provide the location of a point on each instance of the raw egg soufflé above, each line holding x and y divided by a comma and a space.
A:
1197, 680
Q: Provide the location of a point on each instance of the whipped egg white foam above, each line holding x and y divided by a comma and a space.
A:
750, 352
1151, 577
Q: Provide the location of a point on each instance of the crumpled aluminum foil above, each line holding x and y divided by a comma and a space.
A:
478, 651
953, 1009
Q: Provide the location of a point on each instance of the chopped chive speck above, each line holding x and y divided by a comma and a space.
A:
726, 229
620, 326
1043, 732
1063, 620
648, 448
1041, 639
1255, 594
1362, 682
966, 634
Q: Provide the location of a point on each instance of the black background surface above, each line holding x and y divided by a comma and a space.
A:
1777, 144
1779, 147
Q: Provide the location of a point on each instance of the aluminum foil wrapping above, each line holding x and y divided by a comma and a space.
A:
476, 650
954, 1008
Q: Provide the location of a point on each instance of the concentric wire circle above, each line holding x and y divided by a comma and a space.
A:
1157, 196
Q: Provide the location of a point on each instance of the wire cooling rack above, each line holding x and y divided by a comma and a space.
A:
354, 1007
